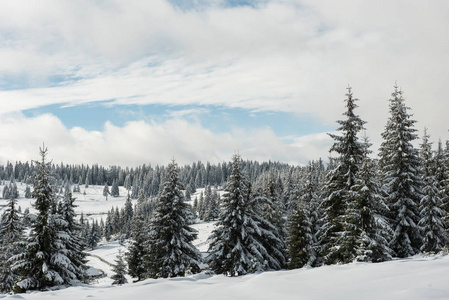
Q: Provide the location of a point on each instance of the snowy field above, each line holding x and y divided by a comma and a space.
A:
409, 279
414, 278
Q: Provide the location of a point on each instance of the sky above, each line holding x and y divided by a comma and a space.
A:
133, 82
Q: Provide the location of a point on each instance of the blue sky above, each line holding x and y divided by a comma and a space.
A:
93, 116
115, 82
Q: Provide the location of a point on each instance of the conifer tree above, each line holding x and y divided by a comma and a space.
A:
303, 225
213, 209
401, 182
114, 189
74, 244
127, 217
106, 190
44, 262
27, 192
243, 242
11, 233
171, 252
366, 214
119, 270
137, 250
300, 238
442, 178
431, 211
339, 243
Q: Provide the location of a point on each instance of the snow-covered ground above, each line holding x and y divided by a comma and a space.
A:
414, 278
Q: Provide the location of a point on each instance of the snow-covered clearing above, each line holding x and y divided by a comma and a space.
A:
414, 278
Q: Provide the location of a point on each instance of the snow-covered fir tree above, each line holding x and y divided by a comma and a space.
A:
115, 189
106, 190
11, 233
431, 206
338, 242
137, 250
366, 214
442, 178
44, 262
272, 210
213, 209
400, 178
170, 249
27, 192
119, 269
303, 225
93, 235
243, 242
300, 240
74, 244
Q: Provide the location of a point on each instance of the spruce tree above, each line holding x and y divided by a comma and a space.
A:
72, 240
115, 189
11, 233
303, 225
44, 262
338, 242
300, 240
401, 182
106, 190
213, 210
119, 269
243, 241
366, 214
431, 211
170, 249
137, 250
442, 177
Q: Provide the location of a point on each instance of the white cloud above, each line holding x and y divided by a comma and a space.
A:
142, 142
295, 56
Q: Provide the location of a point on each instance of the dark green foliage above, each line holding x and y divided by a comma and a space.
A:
401, 182
137, 250
44, 262
170, 250
431, 207
119, 270
11, 233
365, 216
244, 242
300, 239
339, 243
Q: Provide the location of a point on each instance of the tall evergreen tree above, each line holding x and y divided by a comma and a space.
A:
303, 225
11, 233
431, 206
338, 242
106, 190
115, 189
44, 262
401, 182
366, 214
300, 239
74, 244
243, 242
119, 269
137, 250
171, 252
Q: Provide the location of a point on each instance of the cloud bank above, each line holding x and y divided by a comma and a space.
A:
288, 56
140, 142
